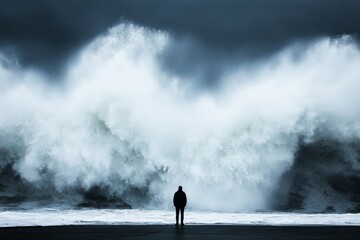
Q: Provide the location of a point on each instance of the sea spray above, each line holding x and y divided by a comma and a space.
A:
122, 124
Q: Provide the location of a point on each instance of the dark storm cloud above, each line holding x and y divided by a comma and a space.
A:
44, 33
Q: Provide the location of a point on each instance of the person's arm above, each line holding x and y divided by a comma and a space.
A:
185, 199
174, 200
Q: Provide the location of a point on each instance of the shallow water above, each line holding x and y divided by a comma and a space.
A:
52, 216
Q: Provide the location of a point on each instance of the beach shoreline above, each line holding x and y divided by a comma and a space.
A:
214, 231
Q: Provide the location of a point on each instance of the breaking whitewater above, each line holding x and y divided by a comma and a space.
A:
120, 133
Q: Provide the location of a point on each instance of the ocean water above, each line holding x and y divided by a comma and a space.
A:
53, 217
120, 131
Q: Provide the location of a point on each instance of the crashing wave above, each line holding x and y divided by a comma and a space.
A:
121, 131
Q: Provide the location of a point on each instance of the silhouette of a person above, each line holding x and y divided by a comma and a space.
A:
179, 203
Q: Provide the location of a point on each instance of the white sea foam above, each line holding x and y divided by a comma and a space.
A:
120, 120
51, 217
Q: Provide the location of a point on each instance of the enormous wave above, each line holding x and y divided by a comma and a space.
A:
121, 131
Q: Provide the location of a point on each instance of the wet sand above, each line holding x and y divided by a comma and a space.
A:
160, 232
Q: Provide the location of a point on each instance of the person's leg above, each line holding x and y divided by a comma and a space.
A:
182, 216
177, 215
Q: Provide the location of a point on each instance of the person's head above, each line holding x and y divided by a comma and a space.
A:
180, 188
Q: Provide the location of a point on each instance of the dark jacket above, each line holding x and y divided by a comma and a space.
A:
180, 199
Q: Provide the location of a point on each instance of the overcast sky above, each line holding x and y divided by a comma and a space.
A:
45, 33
